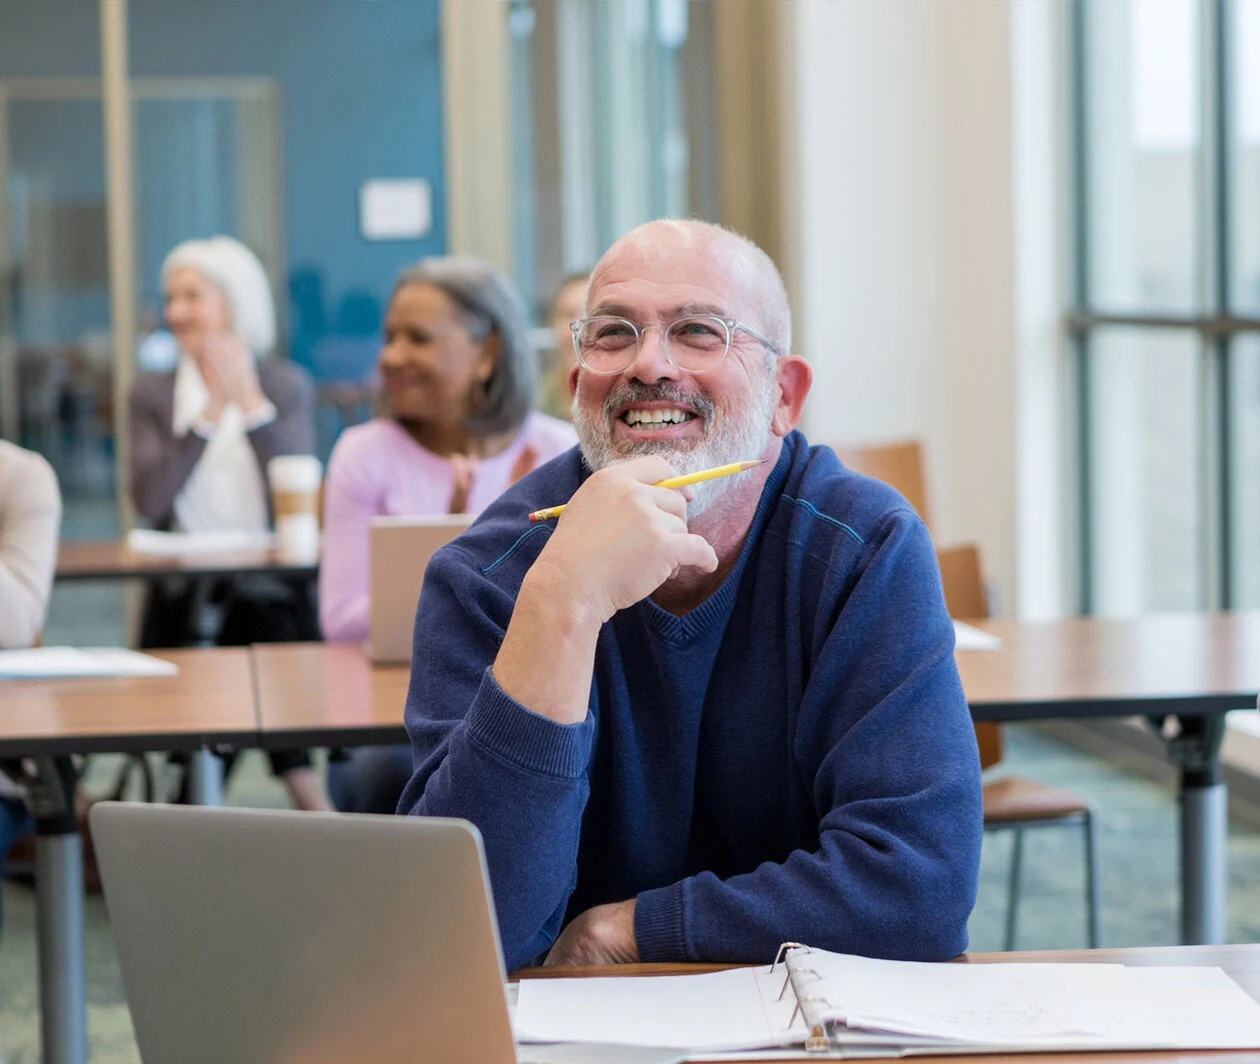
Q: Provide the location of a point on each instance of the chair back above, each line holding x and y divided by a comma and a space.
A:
897, 464
966, 599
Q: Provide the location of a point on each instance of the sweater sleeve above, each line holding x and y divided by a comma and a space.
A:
160, 463
30, 517
349, 506
520, 777
292, 431
886, 748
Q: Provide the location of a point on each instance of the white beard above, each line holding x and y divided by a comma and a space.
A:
726, 439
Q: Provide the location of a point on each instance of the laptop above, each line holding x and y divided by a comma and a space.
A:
302, 938
399, 549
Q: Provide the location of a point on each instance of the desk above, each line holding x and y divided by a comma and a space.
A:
1189, 668
114, 560
1180, 670
1240, 962
211, 701
327, 694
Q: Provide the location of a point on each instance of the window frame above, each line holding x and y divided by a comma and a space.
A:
1215, 325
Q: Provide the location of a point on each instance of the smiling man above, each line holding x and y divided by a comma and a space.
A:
693, 725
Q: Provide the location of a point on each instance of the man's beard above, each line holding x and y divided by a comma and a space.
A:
725, 438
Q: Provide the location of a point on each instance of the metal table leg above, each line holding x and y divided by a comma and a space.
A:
1195, 749
59, 912
205, 778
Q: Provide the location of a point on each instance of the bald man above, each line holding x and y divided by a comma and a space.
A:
692, 725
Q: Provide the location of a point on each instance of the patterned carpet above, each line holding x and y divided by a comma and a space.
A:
1139, 877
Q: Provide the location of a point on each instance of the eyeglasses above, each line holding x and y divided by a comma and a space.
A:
694, 344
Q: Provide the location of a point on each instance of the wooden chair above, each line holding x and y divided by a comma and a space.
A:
1015, 803
898, 464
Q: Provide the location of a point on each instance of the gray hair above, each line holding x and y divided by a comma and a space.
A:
489, 304
235, 270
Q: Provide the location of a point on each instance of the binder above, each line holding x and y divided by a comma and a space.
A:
818, 1004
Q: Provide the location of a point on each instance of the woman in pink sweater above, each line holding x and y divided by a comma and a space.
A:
459, 380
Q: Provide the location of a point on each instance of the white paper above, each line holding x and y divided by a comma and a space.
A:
1062, 1006
395, 209
969, 637
1212, 1011
911, 1008
721, 1010
147, 541
984, 1003
63, 662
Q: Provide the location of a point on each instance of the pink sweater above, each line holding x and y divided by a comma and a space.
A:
376, 469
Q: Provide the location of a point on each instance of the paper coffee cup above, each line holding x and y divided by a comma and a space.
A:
297, 538
295, 481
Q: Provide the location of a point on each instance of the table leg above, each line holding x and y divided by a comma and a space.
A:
205, 615
59, 912
1195, 750
205, 778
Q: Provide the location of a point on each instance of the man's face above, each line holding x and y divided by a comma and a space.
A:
708, 419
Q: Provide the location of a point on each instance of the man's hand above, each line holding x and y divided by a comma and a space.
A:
618, 540
602, 935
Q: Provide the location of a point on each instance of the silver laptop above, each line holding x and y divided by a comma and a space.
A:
400, 548
302, 938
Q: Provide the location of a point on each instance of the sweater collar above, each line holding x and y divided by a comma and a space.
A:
714, 610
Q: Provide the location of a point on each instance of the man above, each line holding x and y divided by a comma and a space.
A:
691, 726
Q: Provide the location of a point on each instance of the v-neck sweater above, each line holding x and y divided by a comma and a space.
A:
791, 760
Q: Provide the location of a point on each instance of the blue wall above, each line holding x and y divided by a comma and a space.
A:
361, 95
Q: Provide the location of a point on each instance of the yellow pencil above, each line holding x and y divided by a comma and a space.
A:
671, 482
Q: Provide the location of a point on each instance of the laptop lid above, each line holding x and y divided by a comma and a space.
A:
280, 937
400, 548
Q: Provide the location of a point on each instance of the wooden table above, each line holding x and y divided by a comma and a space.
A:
327, 694
114, 560
1181, 671
1184, 670
1240, 962
1191, 664
211, 701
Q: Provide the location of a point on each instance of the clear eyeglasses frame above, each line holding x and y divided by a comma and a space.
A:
696, 343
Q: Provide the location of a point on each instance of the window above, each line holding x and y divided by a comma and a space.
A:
1167, 316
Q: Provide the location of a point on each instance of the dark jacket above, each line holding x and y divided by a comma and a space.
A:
161, 462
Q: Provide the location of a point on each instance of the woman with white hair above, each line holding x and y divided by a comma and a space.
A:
201, 438
460, 380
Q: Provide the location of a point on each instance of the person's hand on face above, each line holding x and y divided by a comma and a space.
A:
524, 464
228, 369
619, 539
462, 467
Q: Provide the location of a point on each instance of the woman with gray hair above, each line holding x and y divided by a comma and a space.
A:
459, 378
201, 438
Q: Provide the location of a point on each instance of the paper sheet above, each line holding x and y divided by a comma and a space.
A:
983, 1003
910, 1008
722, 1010
147, 541
66, 662
969, 637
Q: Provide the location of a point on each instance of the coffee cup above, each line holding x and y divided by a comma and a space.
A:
295, 480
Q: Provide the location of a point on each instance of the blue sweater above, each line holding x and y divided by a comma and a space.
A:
792, 760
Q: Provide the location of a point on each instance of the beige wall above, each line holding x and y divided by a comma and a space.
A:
915, 234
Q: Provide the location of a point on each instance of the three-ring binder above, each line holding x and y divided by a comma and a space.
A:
817, 1041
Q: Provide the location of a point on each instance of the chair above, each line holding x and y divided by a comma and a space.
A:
1015, 803
897, 464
